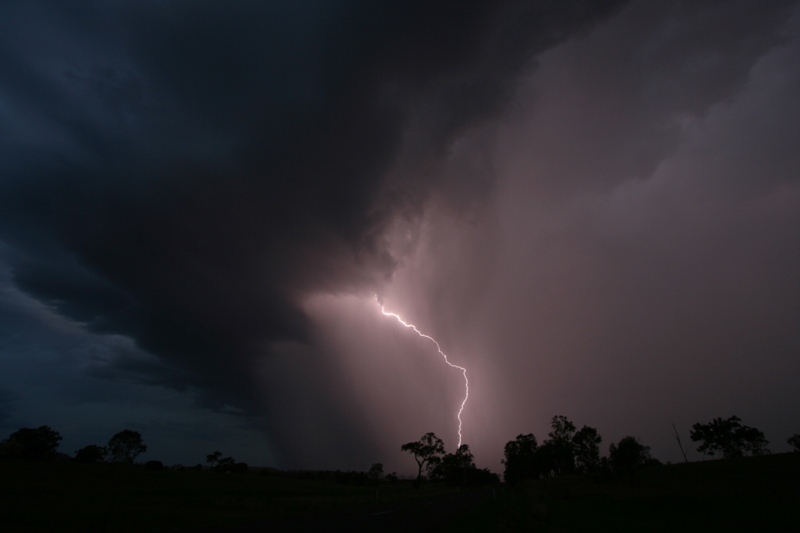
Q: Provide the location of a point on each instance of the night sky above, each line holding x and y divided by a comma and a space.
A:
593, 206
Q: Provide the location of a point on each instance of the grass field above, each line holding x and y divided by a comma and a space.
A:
752, 494
68, 496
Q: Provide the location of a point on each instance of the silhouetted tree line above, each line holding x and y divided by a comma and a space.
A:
567, 450
226, 464
216, 462
346, 477
42, 444
124, 447
578, 451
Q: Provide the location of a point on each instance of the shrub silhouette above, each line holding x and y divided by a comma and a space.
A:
154, 465
91, 454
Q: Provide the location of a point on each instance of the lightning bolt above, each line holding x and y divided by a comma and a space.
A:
439, 349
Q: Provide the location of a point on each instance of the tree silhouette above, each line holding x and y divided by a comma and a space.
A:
560, 446
30, 443
456, 468
586, 447
561, 429
794, 442
729, 437
628, 456
225, 464
213, 458
427, 452
375, 472
521, 459
91, 454
125, 446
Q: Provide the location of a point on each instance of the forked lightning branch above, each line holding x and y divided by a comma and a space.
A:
439, 349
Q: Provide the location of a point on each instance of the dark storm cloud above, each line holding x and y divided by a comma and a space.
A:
7, 401
184, 173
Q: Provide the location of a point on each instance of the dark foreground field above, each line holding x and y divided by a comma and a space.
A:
69, 496
754, 494
750, 494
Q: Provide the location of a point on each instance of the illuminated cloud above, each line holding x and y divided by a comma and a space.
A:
591, 205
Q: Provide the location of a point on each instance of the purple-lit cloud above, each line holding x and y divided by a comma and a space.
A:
592, 206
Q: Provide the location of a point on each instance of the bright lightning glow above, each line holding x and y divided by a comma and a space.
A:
439, 348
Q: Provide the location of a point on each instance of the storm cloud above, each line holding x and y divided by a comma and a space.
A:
579, 198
